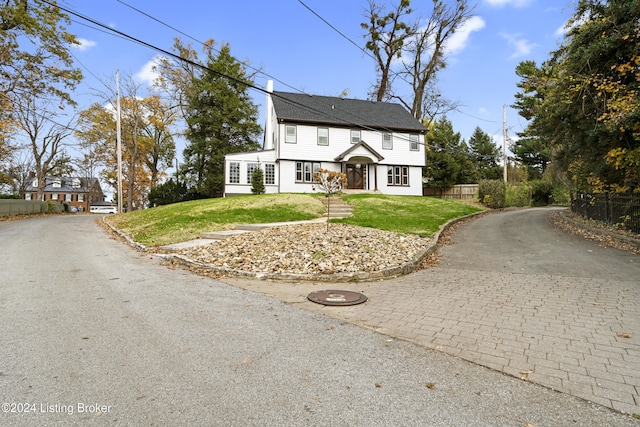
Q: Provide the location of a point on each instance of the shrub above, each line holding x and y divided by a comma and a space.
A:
518, 195
541, 193
492, 193
167, 193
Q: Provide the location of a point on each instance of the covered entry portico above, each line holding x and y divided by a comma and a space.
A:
359, 164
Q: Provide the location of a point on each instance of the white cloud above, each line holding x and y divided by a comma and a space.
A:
458, 41
522, 46
515, 3
84, 44
146, 73
482, 110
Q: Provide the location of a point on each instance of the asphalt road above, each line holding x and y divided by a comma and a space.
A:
522, 241
95, 333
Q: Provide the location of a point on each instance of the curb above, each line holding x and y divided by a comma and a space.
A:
622, 239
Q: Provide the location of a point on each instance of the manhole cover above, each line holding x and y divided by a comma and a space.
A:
336, 297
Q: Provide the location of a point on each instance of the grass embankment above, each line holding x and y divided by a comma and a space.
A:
184, 221
404, 214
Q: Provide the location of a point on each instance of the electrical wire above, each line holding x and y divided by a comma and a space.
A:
205, 68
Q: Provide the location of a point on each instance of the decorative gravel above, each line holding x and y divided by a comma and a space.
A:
311, 249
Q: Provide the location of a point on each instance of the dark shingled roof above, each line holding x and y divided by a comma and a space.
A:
330, 110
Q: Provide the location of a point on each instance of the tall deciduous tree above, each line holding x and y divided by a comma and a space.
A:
147, 145
426, 53
45, 136
417, 48
35, 61
387, 33
221, 119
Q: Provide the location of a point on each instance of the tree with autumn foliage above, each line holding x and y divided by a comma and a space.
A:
36, 69
584, 104
147, 142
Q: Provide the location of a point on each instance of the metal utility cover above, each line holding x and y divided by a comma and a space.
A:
334, 297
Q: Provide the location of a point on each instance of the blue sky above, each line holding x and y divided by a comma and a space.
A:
290, 43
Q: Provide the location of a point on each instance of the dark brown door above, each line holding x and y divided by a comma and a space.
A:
354, 177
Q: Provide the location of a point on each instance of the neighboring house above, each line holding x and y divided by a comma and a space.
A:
77, 192
378, 145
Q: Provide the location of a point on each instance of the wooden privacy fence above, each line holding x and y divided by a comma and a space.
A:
10, 207
460, 192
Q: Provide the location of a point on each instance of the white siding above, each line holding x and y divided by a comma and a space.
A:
415, 182
244, 186
307, 148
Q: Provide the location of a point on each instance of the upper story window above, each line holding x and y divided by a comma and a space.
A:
355, 136
323, 136
234, 173
57, 183
387, 141
413, 142
290, 134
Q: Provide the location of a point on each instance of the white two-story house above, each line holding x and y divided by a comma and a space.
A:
378, 145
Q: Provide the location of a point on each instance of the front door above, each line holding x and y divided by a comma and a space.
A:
354, 177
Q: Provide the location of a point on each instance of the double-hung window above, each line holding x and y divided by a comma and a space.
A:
290, 134
398, 176
413, 142
305, 171
387, 141
323, 136
355, 136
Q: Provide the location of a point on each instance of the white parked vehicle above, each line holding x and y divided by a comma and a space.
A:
104, 209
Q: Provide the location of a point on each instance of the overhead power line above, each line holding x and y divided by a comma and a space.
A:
205, 68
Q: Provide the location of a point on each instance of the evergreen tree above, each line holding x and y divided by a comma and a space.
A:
221, 119
485, 155
583, 102
257, 180
447, 157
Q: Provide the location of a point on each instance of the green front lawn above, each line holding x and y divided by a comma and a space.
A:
404, 214
184, 221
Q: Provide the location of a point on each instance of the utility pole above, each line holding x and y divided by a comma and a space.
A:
119, 142
504, 141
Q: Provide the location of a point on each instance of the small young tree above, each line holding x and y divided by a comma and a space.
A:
257, 180
329, 182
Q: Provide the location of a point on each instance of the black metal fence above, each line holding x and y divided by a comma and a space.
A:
618, 209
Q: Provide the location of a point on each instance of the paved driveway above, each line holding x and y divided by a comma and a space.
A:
515, 294
95, 333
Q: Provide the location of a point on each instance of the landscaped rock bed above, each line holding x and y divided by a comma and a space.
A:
311, 249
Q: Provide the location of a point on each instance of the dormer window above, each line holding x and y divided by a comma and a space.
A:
57, 183
75, 183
